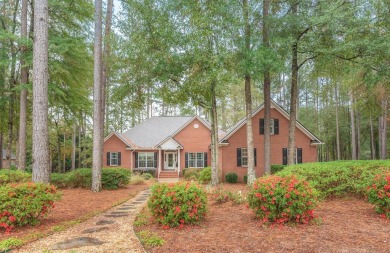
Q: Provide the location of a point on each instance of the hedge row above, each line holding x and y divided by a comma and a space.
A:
112, 178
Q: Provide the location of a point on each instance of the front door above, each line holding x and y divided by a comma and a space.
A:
170, 159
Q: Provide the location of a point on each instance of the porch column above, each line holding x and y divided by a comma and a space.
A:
159, 161
178, 163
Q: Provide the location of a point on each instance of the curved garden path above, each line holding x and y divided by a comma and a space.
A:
111, 231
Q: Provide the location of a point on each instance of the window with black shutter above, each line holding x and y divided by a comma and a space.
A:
108, 158
274, 126
238, 157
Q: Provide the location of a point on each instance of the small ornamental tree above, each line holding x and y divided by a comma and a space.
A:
379, 194
280, 200
24, 204
177, 204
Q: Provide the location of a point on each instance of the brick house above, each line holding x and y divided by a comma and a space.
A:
4, 159
233, 151
164, 144
170, 144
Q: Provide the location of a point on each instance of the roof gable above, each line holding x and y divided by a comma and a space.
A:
274, 105
120, 137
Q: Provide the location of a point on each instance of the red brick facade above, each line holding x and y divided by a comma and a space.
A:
278, 142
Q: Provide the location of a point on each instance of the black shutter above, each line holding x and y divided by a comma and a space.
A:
119, 158
108, 158
284, 156
205, 159
299, 155
239, 157
155, 159
255, 156
276, 126
261, 123
186, 159
136, 160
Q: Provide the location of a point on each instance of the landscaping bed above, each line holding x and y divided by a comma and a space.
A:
75, 205
342, 225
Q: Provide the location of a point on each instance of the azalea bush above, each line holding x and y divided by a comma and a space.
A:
280, 200
379, 194
231, 177
13, 176
25, 204
339, 178
177, 204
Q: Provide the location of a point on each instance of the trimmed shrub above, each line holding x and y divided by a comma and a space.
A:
178, 204
276, 168
231, 177
112, 178
191, 174
205, 175
341, 178
145, 171
24, 204
14, 176
280, 200
245, 179
379, 194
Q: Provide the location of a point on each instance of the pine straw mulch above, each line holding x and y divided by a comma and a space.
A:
343, 225
75, 205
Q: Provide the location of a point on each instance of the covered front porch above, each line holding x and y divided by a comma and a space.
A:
169, 159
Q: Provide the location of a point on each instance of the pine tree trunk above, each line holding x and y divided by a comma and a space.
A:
267, 96
372, 140
97, 99
214, 136
40, 152
74, 148
248, 100
383, 129
294, 96
337, 123
64, 159
357, 135
1, 148
106, 60
353, 129
23, 93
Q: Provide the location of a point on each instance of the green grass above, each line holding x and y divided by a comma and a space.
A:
150, 239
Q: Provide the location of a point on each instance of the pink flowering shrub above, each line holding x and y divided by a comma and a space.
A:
280, 200
379, 194
177, 204
24, 204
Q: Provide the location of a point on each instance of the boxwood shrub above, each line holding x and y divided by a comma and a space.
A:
231, 177
112, 178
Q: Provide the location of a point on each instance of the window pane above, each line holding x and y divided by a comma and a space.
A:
114, 158
272, 123
244, 156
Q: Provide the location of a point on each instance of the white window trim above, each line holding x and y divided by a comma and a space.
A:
242, 156
147, 154
272, 126
114, 158
295, 155
195, 160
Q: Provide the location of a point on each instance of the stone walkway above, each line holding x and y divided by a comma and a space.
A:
111, 231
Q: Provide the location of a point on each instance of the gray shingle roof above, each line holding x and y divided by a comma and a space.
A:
153, 131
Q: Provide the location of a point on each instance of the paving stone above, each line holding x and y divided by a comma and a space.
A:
119, 213
76, 243
127, 208
105, 222
94, 230
115, 215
